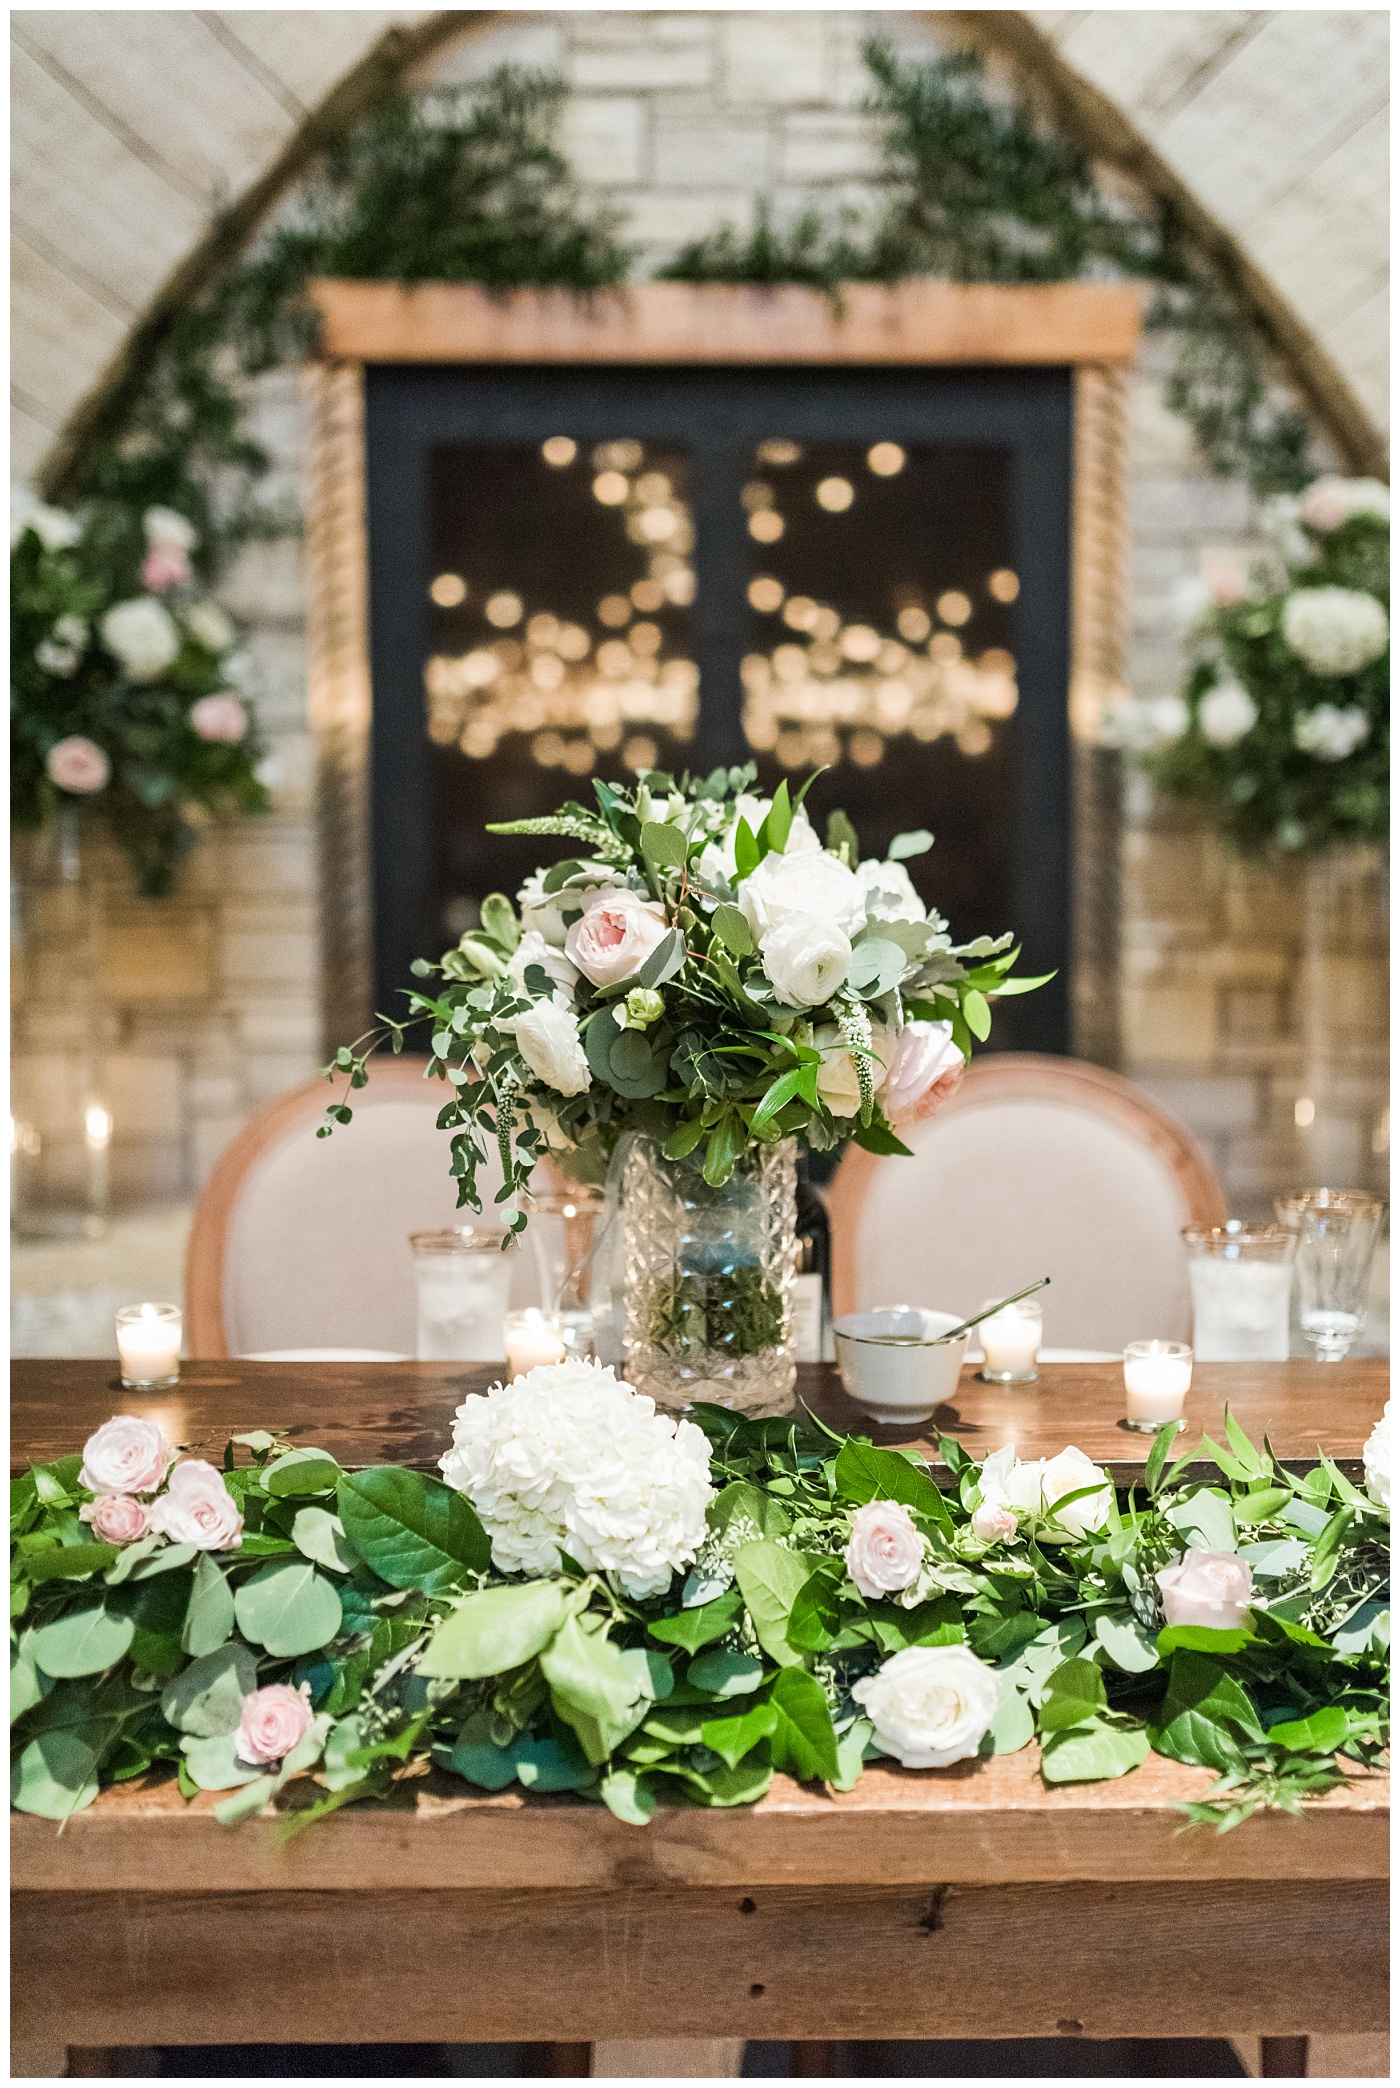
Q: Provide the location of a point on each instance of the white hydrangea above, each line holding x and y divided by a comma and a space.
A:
142, 635
567, 1459
1227, 713
1335, 630
1331, 733
1376, 1459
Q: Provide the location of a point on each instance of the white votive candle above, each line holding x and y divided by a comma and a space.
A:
532, 1337
1156, 1380
1011, 1343
148, 1342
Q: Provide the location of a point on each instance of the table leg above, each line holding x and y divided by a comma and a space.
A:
1283, 2058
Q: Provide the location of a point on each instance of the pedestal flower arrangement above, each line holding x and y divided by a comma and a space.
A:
703, 985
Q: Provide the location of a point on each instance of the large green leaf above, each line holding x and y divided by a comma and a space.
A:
82, 1642
595, 1687
498, 1629
1322, 1732
725, 1674
413, 1531
288, 1606
732, 1738
301, 1472
1014, 1725
1128, 1644
209, 1618
1092, 1751
1204, 1519
770, 1579
157, 1609
864, 1473
1076, 1693
695, 1628
67, 1561
54, 1776
27, 1686
1204, 1715
319, 1535
206, 1699
742, 1502
802, 1739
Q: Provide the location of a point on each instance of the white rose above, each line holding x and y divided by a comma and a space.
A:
165, 527
1376, 1459
1329, 502
1330, 732
142, 636
808, 884
206, 622
1032, 1487
1206, 1587
544, 911
930, 1705
1335, 630
806, 960
889, 893
615, 935
1227, 713
924, 1068
533, 949
548, 1041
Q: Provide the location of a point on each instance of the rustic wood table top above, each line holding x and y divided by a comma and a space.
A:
401, 1413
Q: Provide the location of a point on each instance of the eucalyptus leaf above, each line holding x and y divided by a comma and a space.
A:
1093, 1751
1203, 1519
663, 846
28, 1686
82, 1642
289, 1607
733, 930
213, 1762
209, 1618
1014, 1725
627, 1796
206, 1698
319, 1535
54, 1776
1128, 1644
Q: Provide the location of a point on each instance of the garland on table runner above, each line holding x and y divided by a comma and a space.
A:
603, 1600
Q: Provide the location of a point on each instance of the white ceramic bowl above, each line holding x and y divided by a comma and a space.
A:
892, 1363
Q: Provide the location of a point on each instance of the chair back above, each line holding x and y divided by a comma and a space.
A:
302, 1242
1037, 1167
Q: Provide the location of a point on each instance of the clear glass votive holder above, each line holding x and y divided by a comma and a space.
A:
148, 1343
1011, 1344
464, 1275
533, 1337
1241, 1279
1336, 1231
1156, 1380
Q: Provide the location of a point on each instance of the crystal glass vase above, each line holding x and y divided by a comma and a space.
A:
708, 1278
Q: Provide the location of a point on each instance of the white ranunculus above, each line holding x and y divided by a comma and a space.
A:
930, 1705
1329, 502
544, 911
1331, 732
1375, 1459
566, 1459
889, 893
533, 949
806, 960
1030, 1488
548, 1040
1227, 713
807, 885
716, 863
142, 635
1335, 630
206, 622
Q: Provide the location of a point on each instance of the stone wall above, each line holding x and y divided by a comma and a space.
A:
210, 1002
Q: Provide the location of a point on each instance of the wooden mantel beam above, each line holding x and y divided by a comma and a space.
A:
923, 322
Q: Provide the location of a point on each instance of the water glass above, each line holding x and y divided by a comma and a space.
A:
1336, 1235
463, 1277
563, 1233
1241, 1278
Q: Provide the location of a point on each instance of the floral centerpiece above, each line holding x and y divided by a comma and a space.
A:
123, 700
602, 1599
1283, 729
675, 1007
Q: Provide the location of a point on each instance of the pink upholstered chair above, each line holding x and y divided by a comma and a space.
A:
301, 1241
1037, 1167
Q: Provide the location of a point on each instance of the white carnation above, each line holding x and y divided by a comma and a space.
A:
567, 1459
807, 885
548, 1040
1335, 630
1227, 713
889, 893
806, 960
206, 622
930, 1705
1376, 1460
533, 949
544, 911
142, 636
1331, 732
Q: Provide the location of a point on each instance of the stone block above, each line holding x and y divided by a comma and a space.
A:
1169, 1025
256, 956
667, 219
159, 953
293, 1026
277, 865
695, 145
833, 145
775, 59
620, 52
532, 40
604, 136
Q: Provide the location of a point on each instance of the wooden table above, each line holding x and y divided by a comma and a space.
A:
957, 1903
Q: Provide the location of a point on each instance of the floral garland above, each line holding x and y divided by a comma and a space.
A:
123, 702
1282, 732
604, 1600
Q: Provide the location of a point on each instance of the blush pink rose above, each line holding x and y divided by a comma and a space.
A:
126, 1456
274, 1720
1324, 505
1226, 583
924, 1070
219, 717
1206, 1587
116, 1518
165, 565
993, 1525
197, 1508
77, 764
885, 1551
614, 937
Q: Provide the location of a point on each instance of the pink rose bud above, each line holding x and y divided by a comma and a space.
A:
885, 1551
615, 937
274, 1720
126, 1456
115, 1518
1227, 584
924, 1070
197, 1508
1325, 506
165, 565
77, 764
993, 1525
219, 718
1206, 1587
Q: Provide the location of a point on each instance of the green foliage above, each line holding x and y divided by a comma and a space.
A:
737, 1311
